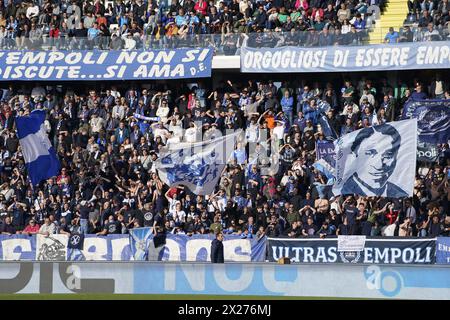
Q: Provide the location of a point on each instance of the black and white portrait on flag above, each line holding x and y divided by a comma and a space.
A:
377, 161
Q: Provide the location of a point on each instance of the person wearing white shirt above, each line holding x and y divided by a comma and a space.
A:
47, 228
163, 110
410, 212
177, 130
32, 11
179, 216
160, 130
96, 123
172, 139
251, 133
190, 134
278, 131
118, 111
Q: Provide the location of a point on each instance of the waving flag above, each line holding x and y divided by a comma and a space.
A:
144, 118
433, 119
196, 165
325, 168
378, 160
139, 242
327, 129
40, 157
325, 151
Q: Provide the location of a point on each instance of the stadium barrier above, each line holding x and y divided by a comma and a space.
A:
183, 248
241, 279
225, 43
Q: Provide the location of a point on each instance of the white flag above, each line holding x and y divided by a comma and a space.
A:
196, 165
377, 161
52, 248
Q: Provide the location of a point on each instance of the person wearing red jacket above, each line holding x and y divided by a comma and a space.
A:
53, 35
392, 214
31, 228
201, 7
317, 11
54, 32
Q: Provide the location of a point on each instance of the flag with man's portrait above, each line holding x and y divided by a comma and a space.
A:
377, 161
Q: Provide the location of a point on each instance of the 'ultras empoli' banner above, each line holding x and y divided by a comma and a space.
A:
105, 65
415, 55
393, 250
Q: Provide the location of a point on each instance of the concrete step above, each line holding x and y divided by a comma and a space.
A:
396, 10
394, 20
394, 15
396, 5
388, 24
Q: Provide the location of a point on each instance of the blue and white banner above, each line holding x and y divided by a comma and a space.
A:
17, 247
378, 160
401, 56
113, 247
117, 247
433, 119
443, 250
196, 165
140, 239
105, 65
198, 248
325, 151
39, 155
144, 118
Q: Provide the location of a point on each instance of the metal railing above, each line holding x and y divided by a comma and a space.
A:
225, 43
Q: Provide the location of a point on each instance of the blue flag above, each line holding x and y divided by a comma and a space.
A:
327, 130
139, 242
39, 155
325, 151
433, 119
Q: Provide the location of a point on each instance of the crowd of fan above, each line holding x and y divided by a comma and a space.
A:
108, 182
229, 24
427, 20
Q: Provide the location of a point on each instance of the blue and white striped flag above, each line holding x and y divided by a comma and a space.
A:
144, 118
196, 165
140, 239
38, 153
